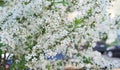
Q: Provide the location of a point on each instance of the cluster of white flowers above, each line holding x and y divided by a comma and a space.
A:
100, 60
36, 28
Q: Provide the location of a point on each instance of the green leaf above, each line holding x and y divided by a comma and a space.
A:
0, 51
86, 59
29, 37
19, 65
59, 63
48, 67
42, 29
34, 43
65, 3
26, 43
78, 21
1, 44
78, 54
27, 2
2, 3
89, 12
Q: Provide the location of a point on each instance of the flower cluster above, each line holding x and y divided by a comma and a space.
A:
40, 28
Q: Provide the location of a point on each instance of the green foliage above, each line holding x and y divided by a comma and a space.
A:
65, 3
30, 44
26, 3
86, 59
2, 3
0, 52
89, 12
1, 44
78, 21
78, 54
42, 29
48, 67
103, 36
21, 20
74, 2
59, 63
32, 39
19, 65
29, 37
53, 2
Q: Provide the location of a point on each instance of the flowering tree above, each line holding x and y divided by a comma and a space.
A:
33, 30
